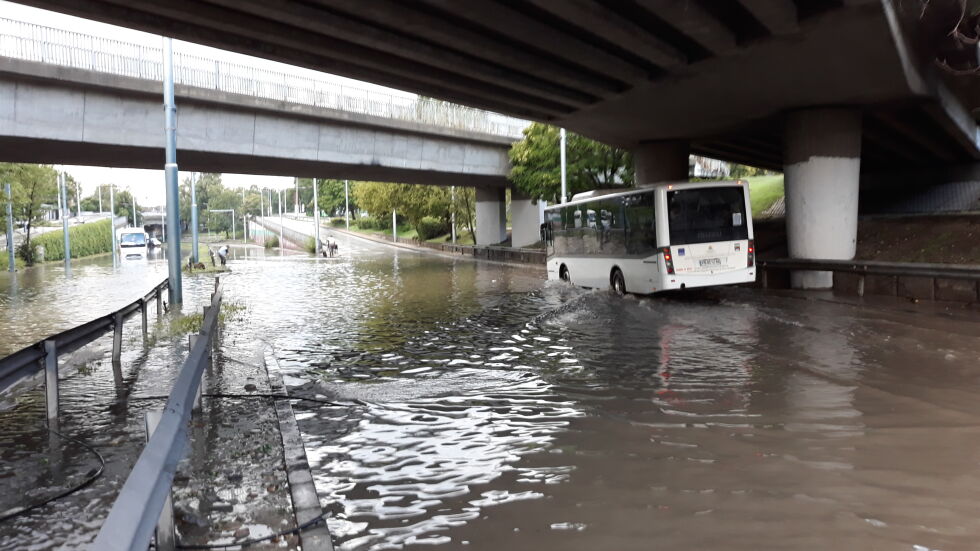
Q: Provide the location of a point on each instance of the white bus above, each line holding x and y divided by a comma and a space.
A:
132, 243
653, 238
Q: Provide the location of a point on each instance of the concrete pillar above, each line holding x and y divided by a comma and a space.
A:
822, 165
662, 161
525, 220
491, 216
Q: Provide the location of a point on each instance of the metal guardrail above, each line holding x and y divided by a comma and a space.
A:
877, 267
31, 42
28, 361
143, 503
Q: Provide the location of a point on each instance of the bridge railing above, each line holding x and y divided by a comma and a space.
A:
31, 42
43, 355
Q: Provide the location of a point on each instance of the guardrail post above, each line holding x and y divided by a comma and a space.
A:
166, 539
143, 315
117, 326
51, 380
192, 340
860, 285
159, 303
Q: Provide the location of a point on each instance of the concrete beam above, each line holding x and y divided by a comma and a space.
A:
694, 21
402, 16
779, 16
325, 23
290, 36
519, 27
614, 28
199, 32
96, 126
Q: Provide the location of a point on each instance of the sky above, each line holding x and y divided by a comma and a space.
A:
148, 185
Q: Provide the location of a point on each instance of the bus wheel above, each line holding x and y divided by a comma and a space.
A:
563, 274
618, 283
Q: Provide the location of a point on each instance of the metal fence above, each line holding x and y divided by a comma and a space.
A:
143, 503
33, 42
44, 353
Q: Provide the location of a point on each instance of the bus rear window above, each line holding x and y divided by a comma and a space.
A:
132, 239
705, 215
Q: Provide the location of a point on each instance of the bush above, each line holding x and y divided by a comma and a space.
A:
271, 242
310, 245
367, 223
86, 240
338, 222
430, 227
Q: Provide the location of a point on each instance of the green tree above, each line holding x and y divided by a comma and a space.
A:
410, 201
35, 190
536, 161
331, 198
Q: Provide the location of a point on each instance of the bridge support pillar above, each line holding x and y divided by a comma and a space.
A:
491, 216
661, 161
525, 220
822, 158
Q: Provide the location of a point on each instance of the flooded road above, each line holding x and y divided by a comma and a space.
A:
488, 408
476, 406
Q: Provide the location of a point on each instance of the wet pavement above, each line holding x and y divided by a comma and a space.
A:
475, 405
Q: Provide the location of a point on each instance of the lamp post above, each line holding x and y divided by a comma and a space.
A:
452, 213
564, 188
281, 237
63, 191
316, 221
170, 168
112, 225
347, 204
10, 229
194, 221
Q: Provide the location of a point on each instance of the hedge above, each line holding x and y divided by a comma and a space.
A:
430, 227
338, 222
86, 240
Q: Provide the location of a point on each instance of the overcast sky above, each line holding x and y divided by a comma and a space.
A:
148, 185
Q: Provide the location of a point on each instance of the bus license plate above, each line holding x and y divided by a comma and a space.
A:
710, 262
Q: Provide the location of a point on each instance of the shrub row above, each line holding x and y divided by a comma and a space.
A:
369, 223
431, 227
338, 222
86, 240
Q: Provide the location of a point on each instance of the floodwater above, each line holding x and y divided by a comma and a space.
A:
476, 406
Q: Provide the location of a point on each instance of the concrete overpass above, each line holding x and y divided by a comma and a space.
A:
832, 92
60, 111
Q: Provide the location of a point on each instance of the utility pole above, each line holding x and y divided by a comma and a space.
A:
194, 220
394, 227
10, 229
78, 202
296, 196
564, 188
347, 203
133, 195
100, 199
452, 213
281, 237
170, 167
63, 191
261, 202
244, 220
316, 221
112, 225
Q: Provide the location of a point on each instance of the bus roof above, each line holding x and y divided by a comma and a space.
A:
587, 196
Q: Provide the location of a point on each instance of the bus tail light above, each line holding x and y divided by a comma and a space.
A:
751, 255
668, 260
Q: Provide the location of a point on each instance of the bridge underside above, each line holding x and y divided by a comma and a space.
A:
30, 150
714, 73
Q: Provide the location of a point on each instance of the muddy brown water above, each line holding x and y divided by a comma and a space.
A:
482, 408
